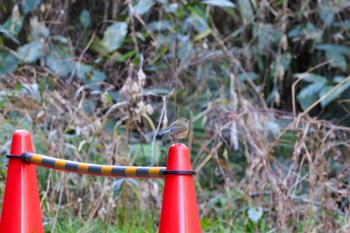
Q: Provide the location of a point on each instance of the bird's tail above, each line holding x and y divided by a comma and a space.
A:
162, 132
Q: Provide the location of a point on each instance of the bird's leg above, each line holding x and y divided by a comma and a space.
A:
174, 139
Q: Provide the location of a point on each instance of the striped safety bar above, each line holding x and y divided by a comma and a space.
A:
91, 169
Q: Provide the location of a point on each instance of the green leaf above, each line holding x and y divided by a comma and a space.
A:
282, 63
97, 76
83, 70
143, 6
335, 94
198, 20
308, 31
8, 63
337, 60
246, 11
84, 18
297, 31
310, 77
98, 47
32, 90
30, 52
15, 22
338, 78
327, 12
345, 23
305, 102
311, 89
107, 98
117, 186
219, 3
88, 74
132, 182
335, 54
38, 29
29, 5
125, 56
255, 213
334, 48
114, 36
329, 98
161, 25
171, 8
245, 76
8, 34
267, 36
59, 39
309, 94
59, 60
273, 126
185, 49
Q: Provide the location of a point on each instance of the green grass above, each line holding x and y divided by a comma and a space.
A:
136, 221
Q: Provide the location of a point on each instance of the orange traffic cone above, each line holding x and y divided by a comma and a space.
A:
21, 206
179, 208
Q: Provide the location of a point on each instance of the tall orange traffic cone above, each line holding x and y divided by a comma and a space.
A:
21, 206
179, 208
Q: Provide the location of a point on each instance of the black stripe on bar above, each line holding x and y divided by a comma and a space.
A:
27, 156
142, 172
161, 171
118, 171
179, 172
14, 156
46, 161
95, 169
71, 166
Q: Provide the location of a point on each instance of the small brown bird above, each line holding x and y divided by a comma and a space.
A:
177, 130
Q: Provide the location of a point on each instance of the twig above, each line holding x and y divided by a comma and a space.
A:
162, 114
209, 156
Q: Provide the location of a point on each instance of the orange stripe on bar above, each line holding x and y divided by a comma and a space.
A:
59, 163
83, 167
154, 171
106, 169
130, 171
37, 159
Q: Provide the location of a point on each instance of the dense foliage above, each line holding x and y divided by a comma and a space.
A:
264, 83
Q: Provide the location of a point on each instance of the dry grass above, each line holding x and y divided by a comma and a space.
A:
251, 143
300, 182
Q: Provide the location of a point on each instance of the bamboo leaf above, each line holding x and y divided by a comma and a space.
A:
246, 10
335, 94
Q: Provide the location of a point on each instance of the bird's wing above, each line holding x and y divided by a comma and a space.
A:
175, 129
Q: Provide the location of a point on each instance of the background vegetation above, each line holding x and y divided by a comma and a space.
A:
264, 83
